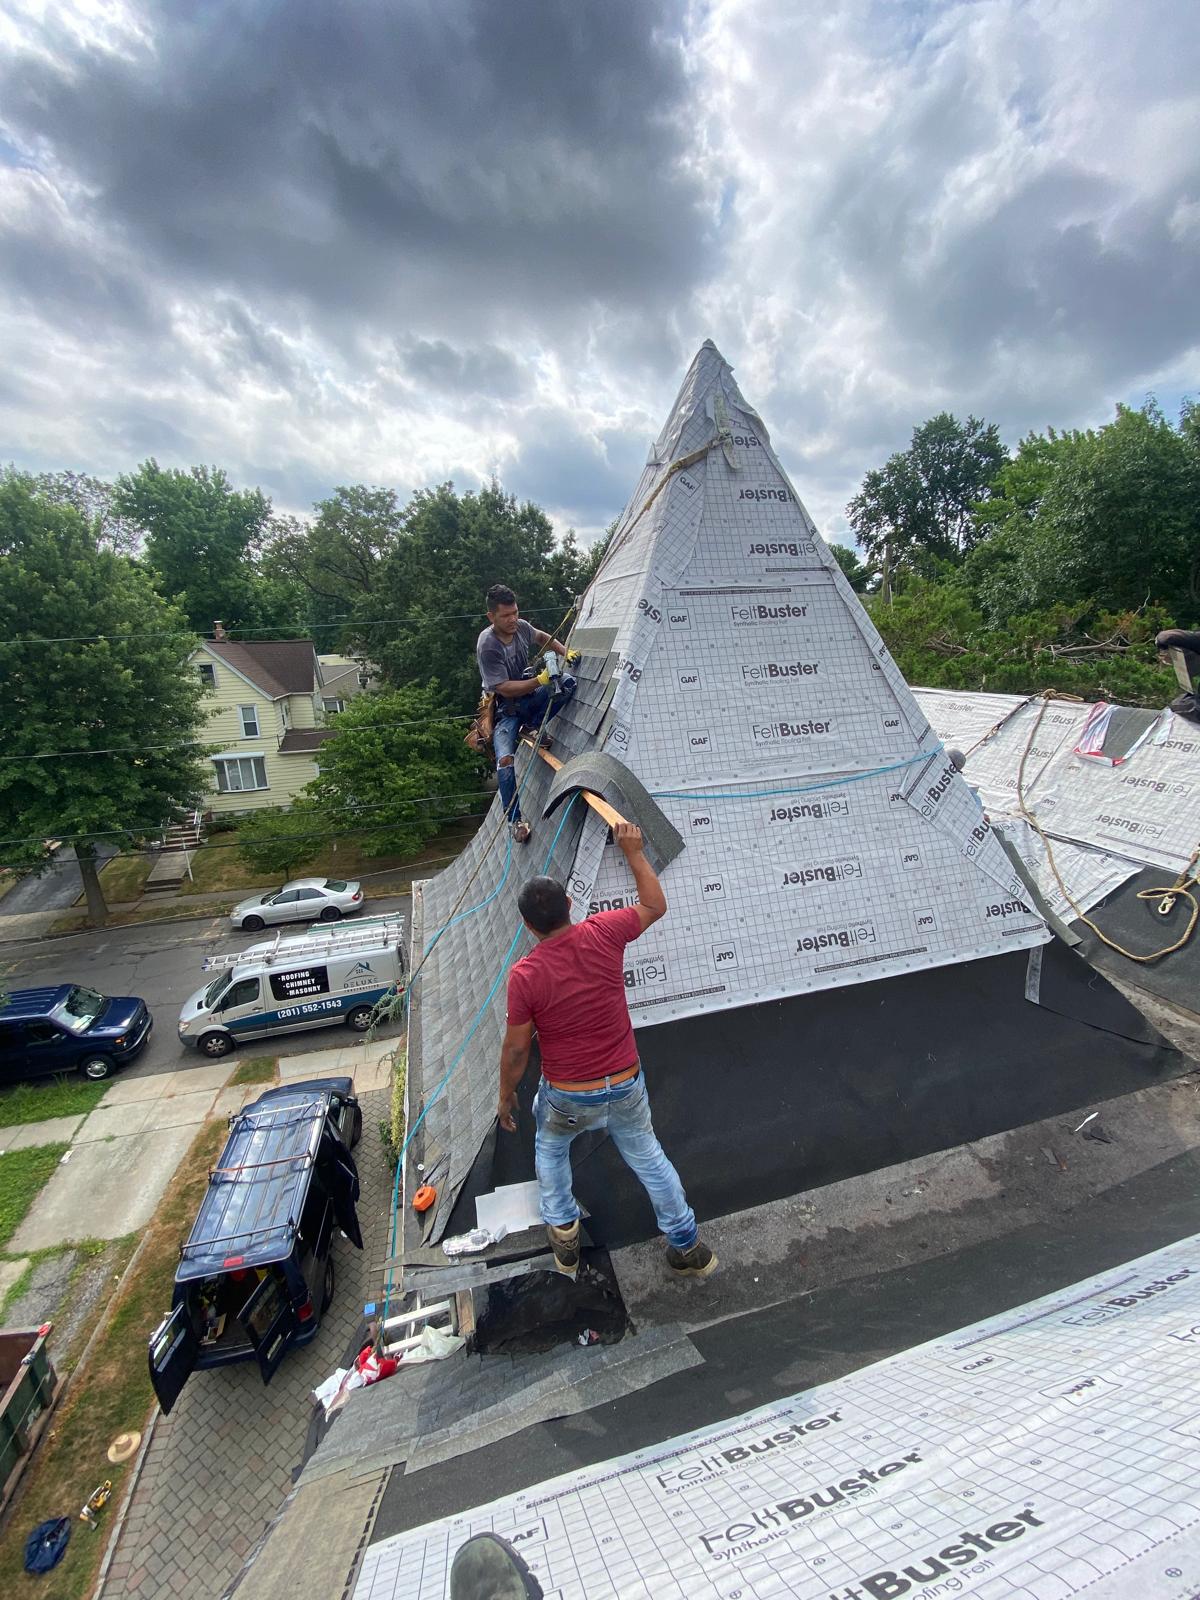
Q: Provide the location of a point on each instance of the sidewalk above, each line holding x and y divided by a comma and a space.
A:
219, 1467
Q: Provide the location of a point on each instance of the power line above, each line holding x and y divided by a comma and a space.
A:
196, 744
236, 844
161, 827
303, 638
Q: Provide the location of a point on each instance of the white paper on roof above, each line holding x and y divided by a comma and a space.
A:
1089, 874
829, 840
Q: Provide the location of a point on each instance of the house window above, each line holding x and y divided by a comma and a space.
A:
208, 674
285, 715
236, 774
335, 705
249, 721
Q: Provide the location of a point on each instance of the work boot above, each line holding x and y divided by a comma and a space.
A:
565, 1244
697, 1261
488, 1568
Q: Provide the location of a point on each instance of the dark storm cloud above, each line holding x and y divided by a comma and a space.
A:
531, 152
485, 370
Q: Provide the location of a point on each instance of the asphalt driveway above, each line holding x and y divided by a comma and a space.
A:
161, 963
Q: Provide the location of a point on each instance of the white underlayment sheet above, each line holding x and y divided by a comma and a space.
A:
829, 840
1045, 1453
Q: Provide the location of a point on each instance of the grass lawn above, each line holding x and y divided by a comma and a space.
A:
112, 1395
258, 1069
63, 1096
124, 877
216, 869
22, 1174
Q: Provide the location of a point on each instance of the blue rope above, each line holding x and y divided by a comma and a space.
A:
806, 788
479, 1016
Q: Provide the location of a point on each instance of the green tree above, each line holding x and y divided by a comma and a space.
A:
858, 573
280, 840
204, 541
1111, 521
116, 694
95, 502
337, 561
391, 752
920, 503
453, 547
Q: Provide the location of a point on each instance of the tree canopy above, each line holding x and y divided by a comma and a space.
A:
125, 695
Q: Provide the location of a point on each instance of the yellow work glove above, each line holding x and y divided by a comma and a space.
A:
574, 657
543, 678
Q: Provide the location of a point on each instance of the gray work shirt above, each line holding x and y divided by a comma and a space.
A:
498, 662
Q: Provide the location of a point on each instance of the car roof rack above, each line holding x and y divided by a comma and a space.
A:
380, 934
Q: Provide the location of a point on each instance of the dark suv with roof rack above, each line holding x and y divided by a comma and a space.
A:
69, 1028
256, 1274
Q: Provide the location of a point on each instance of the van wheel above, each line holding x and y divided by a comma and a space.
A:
253, 924
215, 1045
96, 1067
356, 1130
359, 1018
327, 1292
330, 914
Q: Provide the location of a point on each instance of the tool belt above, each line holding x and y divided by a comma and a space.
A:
589, 1085
479, 734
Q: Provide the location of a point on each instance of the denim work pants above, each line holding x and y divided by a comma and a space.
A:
527, 713
625, 1112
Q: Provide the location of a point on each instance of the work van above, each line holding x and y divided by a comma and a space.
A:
256, 1274
309, 980
67, 1027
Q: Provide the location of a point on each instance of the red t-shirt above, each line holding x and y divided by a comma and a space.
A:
572, 988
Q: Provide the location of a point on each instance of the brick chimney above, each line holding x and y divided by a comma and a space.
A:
219, 630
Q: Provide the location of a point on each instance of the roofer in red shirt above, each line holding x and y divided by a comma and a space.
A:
571, 988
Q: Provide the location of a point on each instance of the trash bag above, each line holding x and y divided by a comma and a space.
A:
45, 1546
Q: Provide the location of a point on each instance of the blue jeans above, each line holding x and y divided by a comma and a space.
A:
625, 1111
526, 713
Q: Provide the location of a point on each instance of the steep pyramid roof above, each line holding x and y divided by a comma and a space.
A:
829, 839
728, 664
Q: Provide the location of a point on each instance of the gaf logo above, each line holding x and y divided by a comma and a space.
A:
764, 733
890, 724
712, 889
778, 671
925, 921
911, 857
698, 741
701, 821
833, 805
755, 615
835, 939
688, 482
824, 872
724, 955
783, 547
689, 679
679, 619
652, 969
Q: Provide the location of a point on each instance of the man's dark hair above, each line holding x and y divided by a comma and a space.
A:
500, 595
544, 905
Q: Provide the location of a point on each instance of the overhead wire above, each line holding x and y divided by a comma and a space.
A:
184, 634
195, 744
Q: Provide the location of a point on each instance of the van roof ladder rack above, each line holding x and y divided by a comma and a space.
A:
338, 942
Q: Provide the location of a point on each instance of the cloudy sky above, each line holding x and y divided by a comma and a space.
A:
396, 241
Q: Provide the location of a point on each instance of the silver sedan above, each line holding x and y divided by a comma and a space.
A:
304, 900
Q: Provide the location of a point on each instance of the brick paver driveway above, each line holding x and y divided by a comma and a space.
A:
220, 1465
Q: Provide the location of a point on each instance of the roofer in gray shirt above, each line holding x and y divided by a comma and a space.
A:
503, 650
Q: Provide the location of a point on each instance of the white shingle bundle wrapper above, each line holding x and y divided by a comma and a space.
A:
829, 839
1106, 819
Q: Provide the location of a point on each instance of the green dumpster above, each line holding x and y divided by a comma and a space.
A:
27, 1384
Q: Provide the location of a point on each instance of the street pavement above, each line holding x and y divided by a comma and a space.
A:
161, 963
56, 889
218, 1468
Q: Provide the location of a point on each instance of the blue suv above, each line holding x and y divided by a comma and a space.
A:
68, 1028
